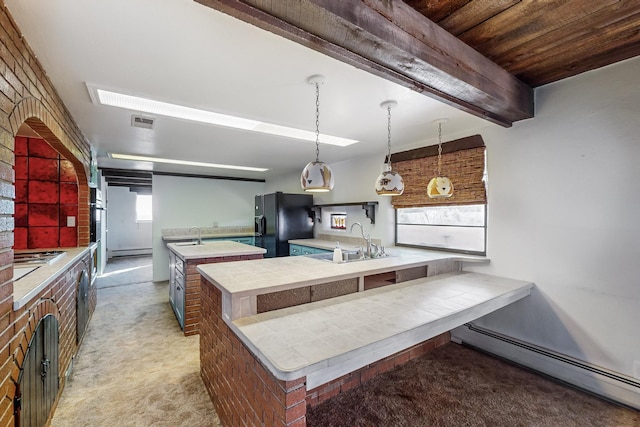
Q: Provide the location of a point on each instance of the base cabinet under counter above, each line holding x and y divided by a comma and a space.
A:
184, 279
176, 286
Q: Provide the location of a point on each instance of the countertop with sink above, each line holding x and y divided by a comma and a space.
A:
241, 282
223, 248
326, 244
30, 279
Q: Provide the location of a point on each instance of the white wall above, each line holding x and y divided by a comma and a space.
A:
123, 231
563, 212
186, 202
354, 182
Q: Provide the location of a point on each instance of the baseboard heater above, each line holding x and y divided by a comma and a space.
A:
608, 384
130, 252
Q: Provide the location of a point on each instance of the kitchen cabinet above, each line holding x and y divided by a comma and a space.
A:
296, 250
176, 286
184, 288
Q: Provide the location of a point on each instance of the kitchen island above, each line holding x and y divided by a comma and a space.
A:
264, 366
184, 280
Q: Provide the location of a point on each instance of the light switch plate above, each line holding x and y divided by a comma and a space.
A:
71, 221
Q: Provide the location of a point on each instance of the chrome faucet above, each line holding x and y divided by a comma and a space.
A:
199, 234
366, 237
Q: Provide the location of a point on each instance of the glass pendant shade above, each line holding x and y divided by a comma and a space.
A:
389, 183
440, 187
317, 177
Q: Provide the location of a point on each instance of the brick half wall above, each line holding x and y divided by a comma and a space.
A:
244, 392
192, 289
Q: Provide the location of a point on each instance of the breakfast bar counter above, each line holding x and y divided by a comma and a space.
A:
303, 354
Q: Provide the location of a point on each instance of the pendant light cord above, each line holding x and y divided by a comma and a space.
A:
439, 147
389, 135
317, 122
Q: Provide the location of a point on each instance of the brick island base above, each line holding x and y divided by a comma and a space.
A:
244, 392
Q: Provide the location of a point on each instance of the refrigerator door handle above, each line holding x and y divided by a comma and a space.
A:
260, 225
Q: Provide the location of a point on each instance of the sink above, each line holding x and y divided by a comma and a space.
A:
346, 256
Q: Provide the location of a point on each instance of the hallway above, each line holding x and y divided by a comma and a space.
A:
135, 368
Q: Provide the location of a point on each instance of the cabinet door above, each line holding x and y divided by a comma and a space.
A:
295, 250
172, 278
179, 298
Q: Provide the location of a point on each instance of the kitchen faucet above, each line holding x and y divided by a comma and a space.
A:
199, 234
366, 237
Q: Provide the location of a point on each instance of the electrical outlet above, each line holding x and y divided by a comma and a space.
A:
71, 221
636, 369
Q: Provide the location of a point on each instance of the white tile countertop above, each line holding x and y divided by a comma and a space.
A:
178, 234
214, 249
283, 273
326, 339
30, 284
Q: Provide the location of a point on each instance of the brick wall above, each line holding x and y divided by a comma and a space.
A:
241, 388
58, 299
244, 392
27, 96
192, 289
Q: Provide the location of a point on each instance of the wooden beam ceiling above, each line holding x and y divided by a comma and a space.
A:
394, 41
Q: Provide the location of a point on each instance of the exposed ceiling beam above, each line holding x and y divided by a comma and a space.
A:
394, 41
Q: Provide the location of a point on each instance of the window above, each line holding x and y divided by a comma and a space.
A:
455, 228
143, 208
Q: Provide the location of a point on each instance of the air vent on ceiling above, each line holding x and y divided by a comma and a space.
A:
142, 122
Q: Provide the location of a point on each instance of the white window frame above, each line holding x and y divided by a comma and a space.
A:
441, 248
138, 213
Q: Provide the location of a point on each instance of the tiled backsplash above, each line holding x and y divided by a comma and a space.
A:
46, 195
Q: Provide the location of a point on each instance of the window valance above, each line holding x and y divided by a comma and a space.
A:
462, 161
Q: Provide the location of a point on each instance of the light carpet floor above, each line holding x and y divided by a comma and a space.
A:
135, 367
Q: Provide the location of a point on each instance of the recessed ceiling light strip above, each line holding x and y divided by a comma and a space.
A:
120, 156
150, 106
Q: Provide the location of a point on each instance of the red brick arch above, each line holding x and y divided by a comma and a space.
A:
34, 113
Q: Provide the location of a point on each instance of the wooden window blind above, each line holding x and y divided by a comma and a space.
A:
462, 161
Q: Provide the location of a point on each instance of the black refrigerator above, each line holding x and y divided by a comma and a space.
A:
280, 217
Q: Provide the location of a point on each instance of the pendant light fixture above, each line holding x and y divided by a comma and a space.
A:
317, 176
440, 187
389, 183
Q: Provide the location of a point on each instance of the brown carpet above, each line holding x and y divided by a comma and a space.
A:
458, 386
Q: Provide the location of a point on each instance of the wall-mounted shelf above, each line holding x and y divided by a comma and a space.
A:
369, 208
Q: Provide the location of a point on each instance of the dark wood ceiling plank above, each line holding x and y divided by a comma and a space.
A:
597, 49
437, 10
595, 24
527, 21
394, 41
584, 47
474, 13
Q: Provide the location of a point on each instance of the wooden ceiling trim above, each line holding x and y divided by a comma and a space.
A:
519, 25
474, 13
394, 41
